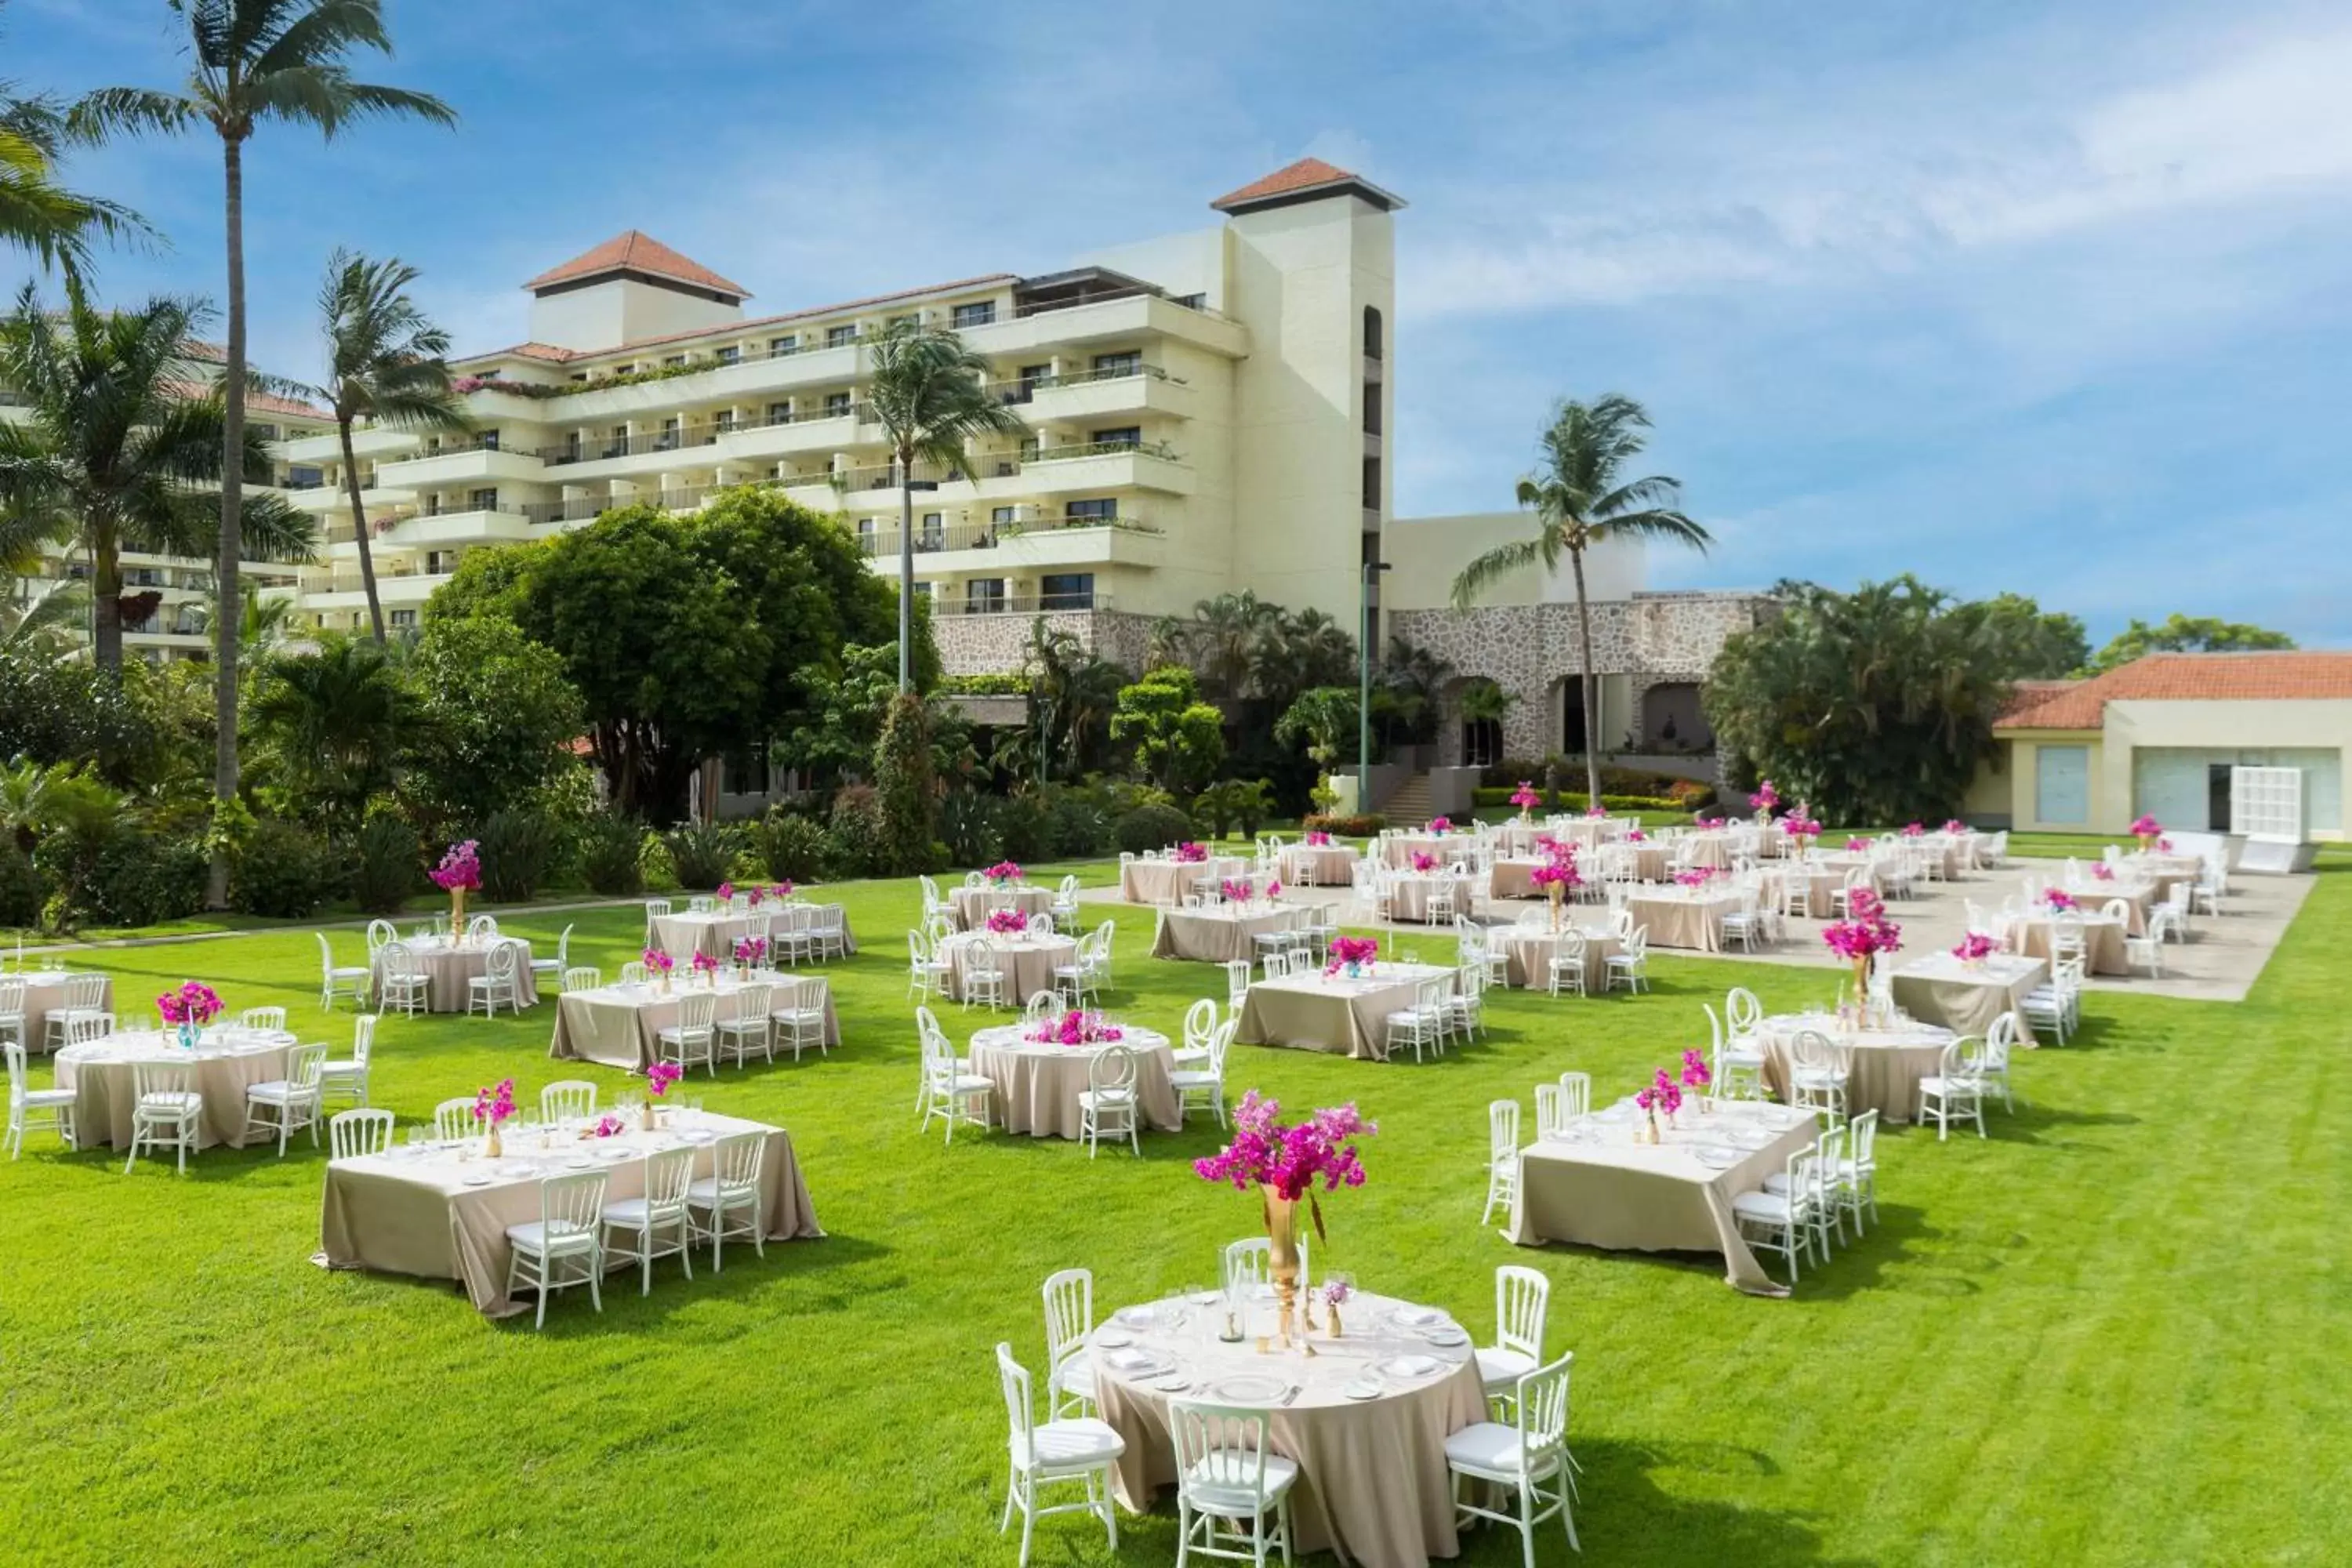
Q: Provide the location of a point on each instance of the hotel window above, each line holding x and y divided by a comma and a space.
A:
976, 315
1003, 520
618, 442
669, 433
1372, 335
1032, 377
1066, 591
264, 432
1372, 484
729, 355
1128, 363
780, 413
1098, 510
402, 620
1372, 409
671, 361
934, 532
1124, 435
722, 421
1193, 301
437, 561
789, 343
490, 440
866, 533
984, 596
485, 499
836, 336
836, 403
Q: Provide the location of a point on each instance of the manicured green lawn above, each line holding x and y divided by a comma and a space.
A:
2116, 1332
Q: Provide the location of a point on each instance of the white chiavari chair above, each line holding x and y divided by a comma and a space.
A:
564, 1245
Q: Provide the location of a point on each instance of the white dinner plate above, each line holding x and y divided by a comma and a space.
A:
1112, 1339
1250, 1388
1421, 1317
613, 1152
476, 1178
1718, 1157
1405, 1368
1135, 1316
1175, 1383
1448, 1336
1136, 1361
1364, 1388
576, 1163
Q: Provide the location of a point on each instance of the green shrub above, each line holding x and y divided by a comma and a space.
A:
612, 854
791, 847
283, 871
1229, 803
387, 863
1575, 800
1346, 826
520, 848
142, 881
1077, 830
968, 820
1024, 828
902, 784
1150, 827
22, 888
703, 853
852, 841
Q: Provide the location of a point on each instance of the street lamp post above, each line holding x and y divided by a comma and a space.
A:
1373, 569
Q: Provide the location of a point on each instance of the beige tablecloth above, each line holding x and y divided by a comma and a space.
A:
1028, 962
1372, 1482
1513, 877
44, 991
972, 906
619, 1025
412, 1213
1038, 1084
1335, 1014
1956, 851
1319, 865
103, 1076
1821, 880
716, 933
1167, 881
1527, 952
1883, 1067
1642, 1197
2163, 872
1939, 989
2137, 894
1397, 853
447, 968
1410, 892
2104, 952
1676, 917
1221, 935
1709, 848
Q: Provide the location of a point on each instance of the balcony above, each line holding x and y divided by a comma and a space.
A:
804, 430
1016, 547
1105, 317
1109, 465
953, 606
403, 586
382, 443
465, 465
326, 500
1105, 394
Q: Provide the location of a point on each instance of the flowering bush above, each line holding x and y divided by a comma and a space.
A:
1441, 826
1290, 1160
1003, 871
1766, 799
1007, 922
1865, 930
1237, 891
1346, 949
1696, 1075
1423, 861
750, 949
495, 1104
1974, 948
2146, 827
1077, 1027
661, 1075
658, 961
190, 1001
461, 867
1192, 852
1525, 797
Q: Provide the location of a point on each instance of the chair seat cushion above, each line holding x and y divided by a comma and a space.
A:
276, 1092
1951, 1088
1107, 1099
1501, 1369
48, 1098
1491, 1448
169, 1102
1076, 1443
532, 1236
965, 1083
1076, 1373
1184, 1080
1762, 1205
630, 1211
1817, 1078
1225, 1482
703, 1191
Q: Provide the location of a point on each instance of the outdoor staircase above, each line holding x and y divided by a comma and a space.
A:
1409, 803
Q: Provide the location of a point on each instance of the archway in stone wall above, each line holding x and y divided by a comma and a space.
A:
1674, 721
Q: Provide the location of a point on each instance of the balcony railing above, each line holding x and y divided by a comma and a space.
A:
882, 543
1078, 450
576, 509
1047, 307
454, 448
1026, 387
1019, 605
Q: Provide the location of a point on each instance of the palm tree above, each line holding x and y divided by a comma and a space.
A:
1579, 500
37, 214
927, 396
121, 450
1226, 636
1072, 694
252, 61
38, 623
385, 364
333, 718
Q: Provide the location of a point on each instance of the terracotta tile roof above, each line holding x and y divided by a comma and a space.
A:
2181, 678
633, 251
257, 401
1306, 174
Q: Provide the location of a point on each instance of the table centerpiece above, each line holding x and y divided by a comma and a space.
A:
1285, 1164
189, 1006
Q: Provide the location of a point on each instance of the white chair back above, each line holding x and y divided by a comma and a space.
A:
353, 1133
1576, 1094
567, 1099
1522, 1298
454, 1120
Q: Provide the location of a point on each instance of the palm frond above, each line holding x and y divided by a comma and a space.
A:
111, 111
1485, 571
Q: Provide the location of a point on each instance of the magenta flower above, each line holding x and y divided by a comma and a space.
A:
1422, 860
495, 1104
461, 867
190, 1001
661, 1075
1192, 852
1525, 797
703, 963
1003, 871
1291, 1160
1007, 922
2146, 827
1441, 826
657, 960
1766, 797
1973, 948
1236, 891
1696, 1075
1318, 839
726, 892
750, 949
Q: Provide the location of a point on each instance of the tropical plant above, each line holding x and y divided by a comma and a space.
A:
38, 213
927, 391
1152, 827
387, 865
36, 621
612, 854
285, 871
1178, 740
1229, 803
789, 846
1322, 719
332, 723
251, 62
520, 849
702, 854
1072, 694
1580, 498
119, 449
2184, 634
904, 786
387, 365
972, 826
1295, 653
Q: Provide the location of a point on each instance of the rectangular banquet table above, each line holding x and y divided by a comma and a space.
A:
1332, 1013
1513, 877
2104, 952
45, 992
1682, 916
1410, 891
619, 1025
1161, 881
103, 1074
1319, 865
2163, 872
1883, 1065
1822, 877
1941, 989
1397, 853
1629, 1196
449, 966
716, 932
415, 1211
1527, 952
1220, 934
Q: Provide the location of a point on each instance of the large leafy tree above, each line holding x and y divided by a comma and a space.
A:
2035, 644
252, 62
493, 719
386, 364
119, 450
328, 721
1580, 498
927, 393
1322, 718
846, 714
2185, 634
1072, 694
1873, 706
1178, 740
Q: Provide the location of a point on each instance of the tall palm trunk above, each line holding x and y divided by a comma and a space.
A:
225, 585
106, 596
1584, 680
360, 532
906, 460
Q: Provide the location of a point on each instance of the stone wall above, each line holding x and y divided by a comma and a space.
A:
996, 645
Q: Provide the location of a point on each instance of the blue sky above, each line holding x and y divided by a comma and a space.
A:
2049, 298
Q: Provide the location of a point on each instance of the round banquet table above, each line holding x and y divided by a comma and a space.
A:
1028, 961
973, 905
228, 1060
1038, 1082
1883, 1067
1372, 1481
448, 966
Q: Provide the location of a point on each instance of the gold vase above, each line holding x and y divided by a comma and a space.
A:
1332, 1308
649, 1123
492, 1147
457, 911
1282, 1231
1559, 894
